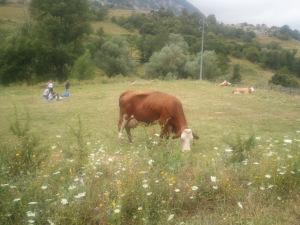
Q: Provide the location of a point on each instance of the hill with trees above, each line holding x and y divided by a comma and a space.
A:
56, 41
175, 5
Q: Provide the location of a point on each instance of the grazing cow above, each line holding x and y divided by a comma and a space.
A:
151, 107
225, 83
243, 90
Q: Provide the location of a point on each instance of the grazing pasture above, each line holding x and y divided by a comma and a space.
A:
62, 163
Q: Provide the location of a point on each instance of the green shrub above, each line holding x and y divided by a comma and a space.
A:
284, 80
114, 57
26, 155
83, 68
170, 61
236, 75
241, 148
80, 151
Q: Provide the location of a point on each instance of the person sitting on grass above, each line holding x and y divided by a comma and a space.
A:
50, 86
46, 94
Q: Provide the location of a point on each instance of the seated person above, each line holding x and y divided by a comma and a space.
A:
46, 93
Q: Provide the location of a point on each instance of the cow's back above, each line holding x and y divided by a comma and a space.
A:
149, 106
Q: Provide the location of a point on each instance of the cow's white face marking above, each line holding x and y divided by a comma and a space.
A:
252, 89
186, 139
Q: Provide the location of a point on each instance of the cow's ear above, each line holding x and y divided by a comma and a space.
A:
195, 136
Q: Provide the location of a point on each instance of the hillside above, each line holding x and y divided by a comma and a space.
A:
288, 44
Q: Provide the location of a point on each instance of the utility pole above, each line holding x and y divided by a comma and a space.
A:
201, 56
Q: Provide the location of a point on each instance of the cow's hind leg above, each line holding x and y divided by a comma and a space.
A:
128, 133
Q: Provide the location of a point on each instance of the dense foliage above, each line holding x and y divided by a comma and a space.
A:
285, 33
284, 80
167, 44
48, 46
155, 27
113, 56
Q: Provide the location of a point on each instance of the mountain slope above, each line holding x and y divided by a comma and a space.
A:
175, 5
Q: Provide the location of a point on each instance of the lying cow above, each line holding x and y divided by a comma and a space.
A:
225, 83
151, 107
243, 90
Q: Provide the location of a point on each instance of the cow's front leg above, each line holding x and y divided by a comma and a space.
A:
123, 124
166, 129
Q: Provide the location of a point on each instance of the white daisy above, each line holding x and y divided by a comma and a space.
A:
64, 201
171, 217
240, 205
213, 179
195, 188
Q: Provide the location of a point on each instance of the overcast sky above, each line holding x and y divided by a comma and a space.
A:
270, 12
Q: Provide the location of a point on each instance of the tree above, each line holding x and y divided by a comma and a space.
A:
211, 68
170, 61
60, 28
252, 53
114, 57
16, 59
17, 56
284, 79
83, 67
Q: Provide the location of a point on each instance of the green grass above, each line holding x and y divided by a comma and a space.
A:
116, 175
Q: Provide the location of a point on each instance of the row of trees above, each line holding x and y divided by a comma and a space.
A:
57, 43
155, 28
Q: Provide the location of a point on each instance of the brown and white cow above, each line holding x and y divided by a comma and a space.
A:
243, 90
151, 107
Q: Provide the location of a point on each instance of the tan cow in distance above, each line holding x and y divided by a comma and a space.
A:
225, 83
248, 90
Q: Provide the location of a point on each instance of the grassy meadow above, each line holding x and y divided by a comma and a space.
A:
61, 161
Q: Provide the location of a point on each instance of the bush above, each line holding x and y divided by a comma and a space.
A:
17, 54
170, 61
210, 68
284, 80
27, 155
98, 12
114, 57
83, 68
241, 148
236, 75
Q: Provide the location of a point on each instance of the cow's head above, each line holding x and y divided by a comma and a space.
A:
251, 89
187, 137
